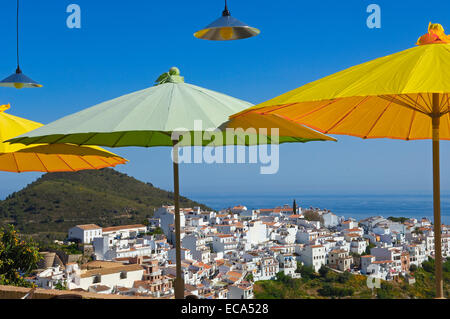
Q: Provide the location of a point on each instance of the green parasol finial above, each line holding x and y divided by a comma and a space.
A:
173, 76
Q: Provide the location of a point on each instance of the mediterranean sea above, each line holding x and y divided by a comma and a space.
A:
355, 206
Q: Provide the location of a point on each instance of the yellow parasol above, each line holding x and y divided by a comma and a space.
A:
46, 158
401, 96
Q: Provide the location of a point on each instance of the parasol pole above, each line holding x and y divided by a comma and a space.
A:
179, 281
436, 117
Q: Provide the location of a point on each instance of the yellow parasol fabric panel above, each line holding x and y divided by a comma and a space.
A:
46, 158
365, 117
286, 129
387, 97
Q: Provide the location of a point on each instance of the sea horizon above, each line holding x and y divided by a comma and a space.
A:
358, 206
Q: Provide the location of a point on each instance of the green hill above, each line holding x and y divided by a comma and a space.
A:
48, 207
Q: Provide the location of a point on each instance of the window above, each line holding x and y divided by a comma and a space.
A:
97, 279
123, 275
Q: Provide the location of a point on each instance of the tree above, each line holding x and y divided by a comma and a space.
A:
294, 208
307, 272
286, 280
386, 291
311, 215
280, 276
355, 255
344, 277
18, 257
331, 291
367, 252
446, 265
412, 268
61, 285
428, 265
398, 219
156, 231
323, 271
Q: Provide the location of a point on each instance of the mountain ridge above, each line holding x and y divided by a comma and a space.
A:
53, 203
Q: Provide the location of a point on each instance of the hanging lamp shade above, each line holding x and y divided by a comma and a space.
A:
19, 80
226, 28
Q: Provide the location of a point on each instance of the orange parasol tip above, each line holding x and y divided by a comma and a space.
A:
4, 107
436, 34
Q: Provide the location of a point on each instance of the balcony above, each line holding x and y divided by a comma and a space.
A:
155, 273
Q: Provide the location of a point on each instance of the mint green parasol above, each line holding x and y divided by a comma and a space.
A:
148, 117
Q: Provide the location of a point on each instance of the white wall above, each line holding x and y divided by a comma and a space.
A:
85, 236
112, 280
257, 233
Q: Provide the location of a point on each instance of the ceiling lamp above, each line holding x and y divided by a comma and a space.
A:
226, 28
19, 80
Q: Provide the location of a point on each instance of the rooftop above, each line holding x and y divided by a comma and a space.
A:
88, 226
110, 270
124, 227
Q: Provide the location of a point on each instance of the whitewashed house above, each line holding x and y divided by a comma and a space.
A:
240, 291
417, 254
306, 236
111, 276
125, 231
185, 255
197, 245
348, 224
330, 220
288, 265
268, 268
358, 246
85, 233
257, 233
248, 214
380, 269
166, 214
50, 277
313, 256
224, 243
239, 209
366, 261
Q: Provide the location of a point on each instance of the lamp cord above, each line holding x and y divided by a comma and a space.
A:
225, 12
17, 34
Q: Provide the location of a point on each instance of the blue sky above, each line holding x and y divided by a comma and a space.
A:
124, 45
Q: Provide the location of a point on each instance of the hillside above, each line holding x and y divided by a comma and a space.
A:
48, 207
